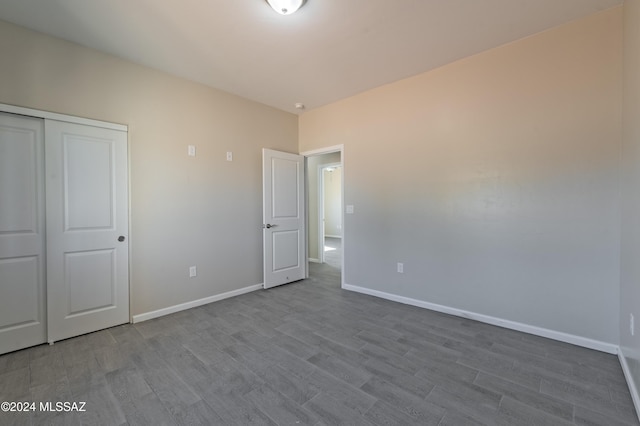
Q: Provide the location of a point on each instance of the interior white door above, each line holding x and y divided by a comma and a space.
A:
87, 229
22, 233
283, 215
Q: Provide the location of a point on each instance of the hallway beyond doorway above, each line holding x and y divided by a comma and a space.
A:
333, 252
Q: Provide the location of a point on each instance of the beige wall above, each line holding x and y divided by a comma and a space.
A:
493, 179
630, 263
185, 211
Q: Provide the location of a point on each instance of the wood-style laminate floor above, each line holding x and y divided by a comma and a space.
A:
311, 353
333, 252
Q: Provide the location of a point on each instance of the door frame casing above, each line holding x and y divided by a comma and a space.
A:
61, 117
321, 151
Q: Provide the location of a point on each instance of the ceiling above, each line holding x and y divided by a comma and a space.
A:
328, 50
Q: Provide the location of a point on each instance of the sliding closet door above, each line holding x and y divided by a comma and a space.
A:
22, 233
87, 229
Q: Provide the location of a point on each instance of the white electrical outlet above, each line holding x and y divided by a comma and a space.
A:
400, 268
193, 272
632, 324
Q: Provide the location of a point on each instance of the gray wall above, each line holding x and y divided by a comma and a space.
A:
185, 211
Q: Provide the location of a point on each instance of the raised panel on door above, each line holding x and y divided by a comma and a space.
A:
22, 238
285, 250
283, 211
89, 178
101, 266
285, 187
87, 216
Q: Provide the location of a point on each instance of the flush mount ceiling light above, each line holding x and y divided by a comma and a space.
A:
286, 7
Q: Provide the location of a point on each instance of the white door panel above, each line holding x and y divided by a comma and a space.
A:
22, 233
87, 214
283, 214
101, 266
285, 185
88, 182
285, 250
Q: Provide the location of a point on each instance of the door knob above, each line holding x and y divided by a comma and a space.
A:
121, 238
268, 225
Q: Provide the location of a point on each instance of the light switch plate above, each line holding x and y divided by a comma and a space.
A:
191, 150
349, 209
229, 156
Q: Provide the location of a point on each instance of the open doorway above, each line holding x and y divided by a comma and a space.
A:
330, 214
325, 185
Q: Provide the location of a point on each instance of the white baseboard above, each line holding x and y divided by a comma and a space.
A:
194, 304
314, 260
526, 328
631, 383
